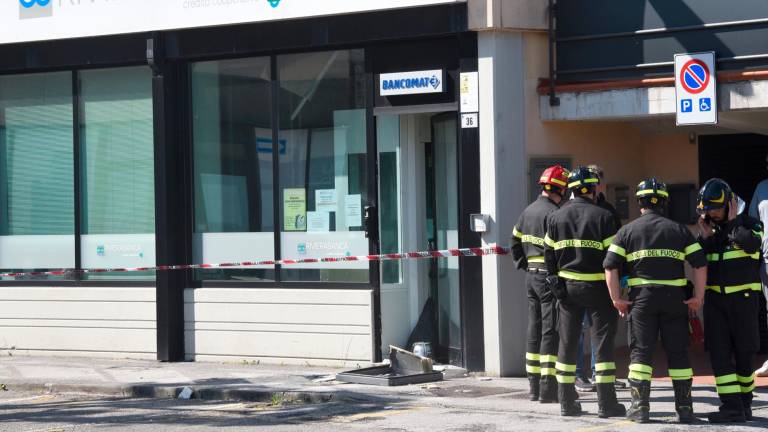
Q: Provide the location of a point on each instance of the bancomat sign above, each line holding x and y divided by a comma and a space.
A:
410, 83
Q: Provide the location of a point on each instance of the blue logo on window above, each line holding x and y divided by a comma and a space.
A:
302, 248
100, 250
42, 3
273, 3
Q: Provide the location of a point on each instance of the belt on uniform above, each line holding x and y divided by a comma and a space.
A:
536, 270
733, 289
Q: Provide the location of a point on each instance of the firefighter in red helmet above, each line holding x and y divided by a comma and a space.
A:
528, 253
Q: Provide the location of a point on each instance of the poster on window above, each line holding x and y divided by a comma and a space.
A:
353, 210
319, 221
294, 210
326, 200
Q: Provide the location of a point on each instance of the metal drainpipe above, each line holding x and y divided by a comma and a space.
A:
553, 99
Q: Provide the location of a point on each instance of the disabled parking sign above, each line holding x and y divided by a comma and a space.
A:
696, 88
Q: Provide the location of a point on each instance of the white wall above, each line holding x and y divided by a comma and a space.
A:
503, 181
78, 321
325, 327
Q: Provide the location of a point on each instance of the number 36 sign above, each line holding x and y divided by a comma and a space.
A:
469, 120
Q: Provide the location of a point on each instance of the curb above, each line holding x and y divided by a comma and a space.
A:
172, 392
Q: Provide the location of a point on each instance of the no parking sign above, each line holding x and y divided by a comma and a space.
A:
696, 88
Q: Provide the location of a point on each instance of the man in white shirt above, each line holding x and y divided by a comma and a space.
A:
758, 208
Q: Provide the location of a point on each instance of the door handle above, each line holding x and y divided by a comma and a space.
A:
371, 222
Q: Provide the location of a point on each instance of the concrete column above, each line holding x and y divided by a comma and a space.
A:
503, 185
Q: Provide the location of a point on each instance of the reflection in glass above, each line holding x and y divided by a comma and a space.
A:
36, 173
447, 230
323, 178
388, 144
232, 141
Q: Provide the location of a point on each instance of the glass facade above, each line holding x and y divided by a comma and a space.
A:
233, 174
117, 171
37, 204
323, 178
320, 153
254, 198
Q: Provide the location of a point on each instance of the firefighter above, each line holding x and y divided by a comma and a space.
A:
528, 253
732, 241
577, 236
651, 251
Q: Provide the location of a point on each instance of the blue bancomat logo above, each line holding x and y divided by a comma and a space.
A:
273, 3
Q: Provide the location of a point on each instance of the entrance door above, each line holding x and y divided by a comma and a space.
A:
442, 217
418, 211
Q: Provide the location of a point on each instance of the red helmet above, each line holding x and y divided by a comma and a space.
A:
554, 177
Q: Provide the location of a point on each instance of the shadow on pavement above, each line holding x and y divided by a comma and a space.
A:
188, 412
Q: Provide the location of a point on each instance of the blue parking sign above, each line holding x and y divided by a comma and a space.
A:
705, 104
686, 105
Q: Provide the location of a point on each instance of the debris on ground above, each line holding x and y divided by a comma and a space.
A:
325, 379
186, 393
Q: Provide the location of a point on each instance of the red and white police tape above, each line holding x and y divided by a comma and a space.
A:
446, 253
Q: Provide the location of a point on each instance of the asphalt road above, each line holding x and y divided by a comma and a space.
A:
460, 412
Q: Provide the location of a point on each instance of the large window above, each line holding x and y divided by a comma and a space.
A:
320, 153
234, 216
323, 180
38, 203
37, 217
117, 171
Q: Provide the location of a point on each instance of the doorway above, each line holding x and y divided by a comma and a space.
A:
419, 211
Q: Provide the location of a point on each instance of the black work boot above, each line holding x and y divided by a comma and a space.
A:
640, 410
533, 383
731, 411
607, 405
568, 405
746, 400
683, 400
548, 389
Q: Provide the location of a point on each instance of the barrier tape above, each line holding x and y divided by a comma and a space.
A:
446, 253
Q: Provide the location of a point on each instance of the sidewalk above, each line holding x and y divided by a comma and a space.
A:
209, 381
259, 383
313, 386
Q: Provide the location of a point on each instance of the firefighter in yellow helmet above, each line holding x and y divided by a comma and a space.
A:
732, 242
652, 251
578, 235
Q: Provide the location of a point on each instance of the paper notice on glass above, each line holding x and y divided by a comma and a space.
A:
319, 221
353, 210
294, 210
326, 200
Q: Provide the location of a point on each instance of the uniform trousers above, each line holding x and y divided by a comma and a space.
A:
658, 310
541, 354
732, 337
593, 298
